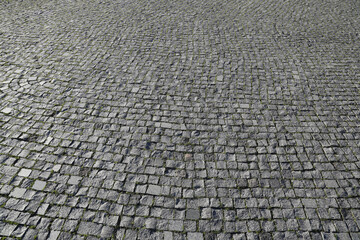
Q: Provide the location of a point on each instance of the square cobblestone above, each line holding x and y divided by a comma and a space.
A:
39, 185
179, 119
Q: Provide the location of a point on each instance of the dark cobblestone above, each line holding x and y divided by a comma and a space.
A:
179, 119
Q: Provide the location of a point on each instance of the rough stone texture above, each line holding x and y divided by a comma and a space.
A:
199, 119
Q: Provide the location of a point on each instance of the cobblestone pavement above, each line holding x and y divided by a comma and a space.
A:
180, 119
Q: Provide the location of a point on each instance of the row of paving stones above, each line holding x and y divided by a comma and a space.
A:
179, 119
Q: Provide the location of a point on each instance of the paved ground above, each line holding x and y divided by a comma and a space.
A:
178, 119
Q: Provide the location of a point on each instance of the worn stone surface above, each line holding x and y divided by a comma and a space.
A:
179, 119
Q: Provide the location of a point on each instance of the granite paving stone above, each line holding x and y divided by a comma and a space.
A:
202, 119
39, 185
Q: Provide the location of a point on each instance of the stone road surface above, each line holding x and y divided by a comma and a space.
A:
179, 119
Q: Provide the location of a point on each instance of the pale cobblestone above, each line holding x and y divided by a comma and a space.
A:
200, 119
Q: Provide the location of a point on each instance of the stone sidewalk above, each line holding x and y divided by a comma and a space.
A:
202, 119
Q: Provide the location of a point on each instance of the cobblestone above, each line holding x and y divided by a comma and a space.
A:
200, 119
